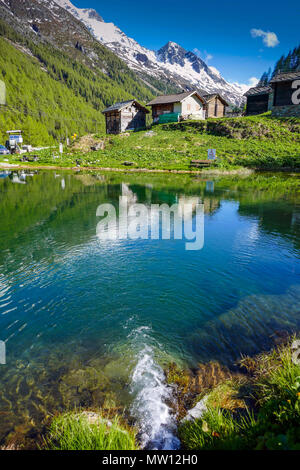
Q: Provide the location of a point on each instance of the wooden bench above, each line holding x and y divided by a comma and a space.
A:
201, 163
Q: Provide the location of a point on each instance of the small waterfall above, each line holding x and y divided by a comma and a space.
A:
150, 407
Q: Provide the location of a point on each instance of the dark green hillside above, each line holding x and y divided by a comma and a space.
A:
42, 107
50, 94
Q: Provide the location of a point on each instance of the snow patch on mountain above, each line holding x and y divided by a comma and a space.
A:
172, 62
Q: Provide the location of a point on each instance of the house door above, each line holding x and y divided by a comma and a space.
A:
216, 107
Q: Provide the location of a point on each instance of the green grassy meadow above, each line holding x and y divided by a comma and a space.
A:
259, 142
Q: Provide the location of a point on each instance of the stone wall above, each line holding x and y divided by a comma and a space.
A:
286, 111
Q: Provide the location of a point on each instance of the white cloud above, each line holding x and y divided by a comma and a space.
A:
243, 87
253, 81
205, 56
269, 39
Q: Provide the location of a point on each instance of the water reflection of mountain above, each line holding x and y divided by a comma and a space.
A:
62, 206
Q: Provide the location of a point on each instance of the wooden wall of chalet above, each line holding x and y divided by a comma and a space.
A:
257, 104
130, 118
283, 93
158, 109
215, 108
112, 122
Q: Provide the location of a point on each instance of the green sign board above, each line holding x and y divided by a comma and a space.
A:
168, 117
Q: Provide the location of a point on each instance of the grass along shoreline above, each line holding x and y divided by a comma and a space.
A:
255, 143
258, 409
211, 171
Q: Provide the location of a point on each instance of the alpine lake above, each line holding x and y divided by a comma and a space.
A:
91, 323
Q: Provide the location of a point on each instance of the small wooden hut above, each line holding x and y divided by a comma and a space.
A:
286, 86
215, 105
258, 100
125, 116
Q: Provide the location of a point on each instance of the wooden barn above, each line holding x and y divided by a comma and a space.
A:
125, 116
188, 104
286, 87
258, 100
215, 105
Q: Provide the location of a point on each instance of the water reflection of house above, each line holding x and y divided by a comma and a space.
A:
131, 196
188, 201
210, 204
19, 178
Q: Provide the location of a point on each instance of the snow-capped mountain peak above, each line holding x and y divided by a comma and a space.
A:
171, 53
172, 63
79, 12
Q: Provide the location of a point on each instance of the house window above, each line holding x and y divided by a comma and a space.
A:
189, 106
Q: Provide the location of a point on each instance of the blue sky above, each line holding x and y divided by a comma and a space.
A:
219, 30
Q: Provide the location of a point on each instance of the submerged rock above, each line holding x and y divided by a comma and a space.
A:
83, 387
197, 411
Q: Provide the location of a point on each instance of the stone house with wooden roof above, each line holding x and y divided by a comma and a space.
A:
259, 100
286, 89
184, 105
215, 105
125, 116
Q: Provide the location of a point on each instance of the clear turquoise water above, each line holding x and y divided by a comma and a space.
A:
77, 314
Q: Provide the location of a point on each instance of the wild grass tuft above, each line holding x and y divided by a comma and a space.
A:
218, 429
274, 421
75, 431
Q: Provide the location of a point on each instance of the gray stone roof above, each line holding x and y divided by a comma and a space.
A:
286, 77
123, 104
210, 96
176, 98
258, 90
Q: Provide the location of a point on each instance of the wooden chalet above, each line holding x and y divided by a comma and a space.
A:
184, 105
258, 100
286, 87
125, 116
215, 105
